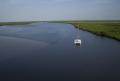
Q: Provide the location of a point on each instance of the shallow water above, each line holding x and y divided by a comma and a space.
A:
45, 52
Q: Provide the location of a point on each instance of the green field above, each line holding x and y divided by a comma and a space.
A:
108, 29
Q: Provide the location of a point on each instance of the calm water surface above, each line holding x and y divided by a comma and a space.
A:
45, 52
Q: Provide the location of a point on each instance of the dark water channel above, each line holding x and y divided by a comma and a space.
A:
45, 52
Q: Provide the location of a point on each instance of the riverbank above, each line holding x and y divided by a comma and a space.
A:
17, 23
107, 29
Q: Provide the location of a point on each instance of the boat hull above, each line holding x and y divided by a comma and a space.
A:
77, 42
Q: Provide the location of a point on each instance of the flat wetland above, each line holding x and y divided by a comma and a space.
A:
106, 28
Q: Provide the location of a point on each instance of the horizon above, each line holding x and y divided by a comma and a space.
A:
62, 21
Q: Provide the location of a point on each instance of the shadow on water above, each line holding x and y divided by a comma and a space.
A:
46, 51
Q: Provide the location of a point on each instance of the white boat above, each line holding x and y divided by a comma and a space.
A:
77, 42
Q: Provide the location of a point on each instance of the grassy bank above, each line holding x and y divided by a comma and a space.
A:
16, 23
108, 29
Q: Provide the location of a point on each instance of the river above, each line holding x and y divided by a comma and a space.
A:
46, 52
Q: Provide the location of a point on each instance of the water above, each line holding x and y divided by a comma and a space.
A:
46, 52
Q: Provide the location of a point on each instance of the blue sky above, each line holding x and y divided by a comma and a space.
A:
44, 10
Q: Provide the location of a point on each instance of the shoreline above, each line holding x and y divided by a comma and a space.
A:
17, 23
103, 31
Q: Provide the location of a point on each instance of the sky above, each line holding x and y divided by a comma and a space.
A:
45, 10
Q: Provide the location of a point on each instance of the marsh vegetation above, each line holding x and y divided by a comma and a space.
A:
101, 28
